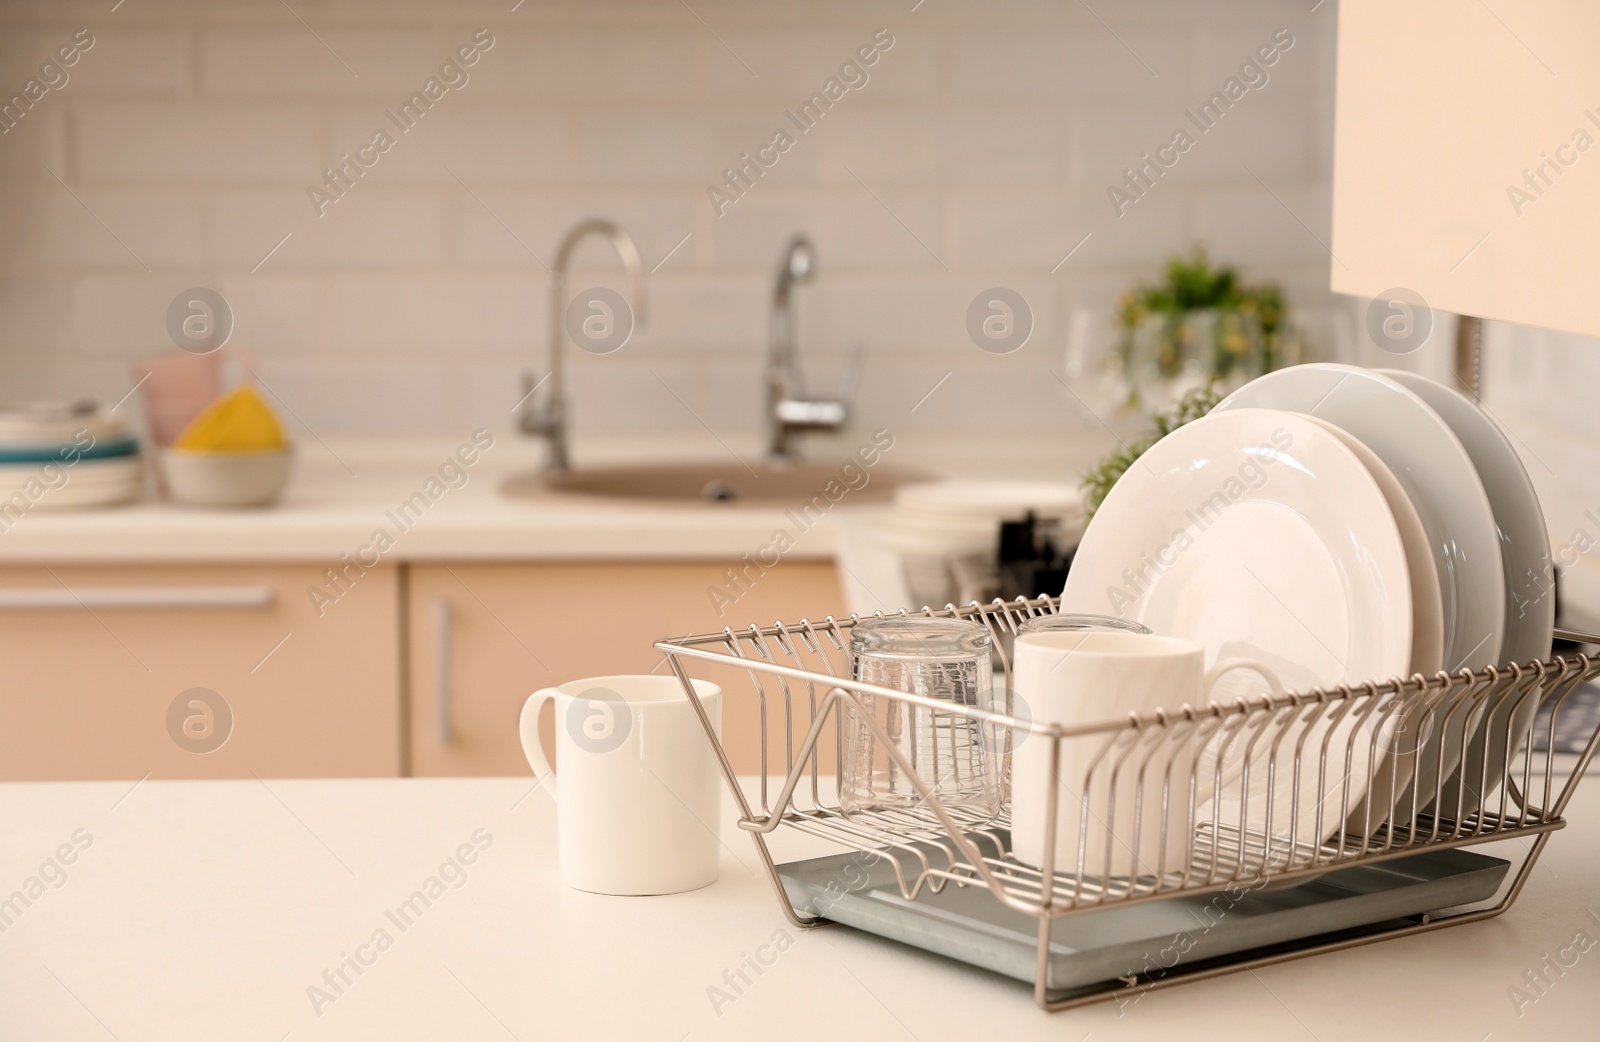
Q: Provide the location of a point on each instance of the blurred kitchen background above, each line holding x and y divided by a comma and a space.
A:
188, 145
978, 153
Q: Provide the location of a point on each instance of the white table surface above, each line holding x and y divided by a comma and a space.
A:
205, 910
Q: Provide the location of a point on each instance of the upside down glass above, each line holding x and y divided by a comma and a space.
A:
959, 757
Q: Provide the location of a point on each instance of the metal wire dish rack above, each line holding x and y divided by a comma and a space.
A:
1302, 754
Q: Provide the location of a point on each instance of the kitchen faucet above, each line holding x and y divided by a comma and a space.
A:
788, 411
549, 419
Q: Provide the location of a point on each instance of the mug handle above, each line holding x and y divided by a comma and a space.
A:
528, 725
1228, 665
1209, 681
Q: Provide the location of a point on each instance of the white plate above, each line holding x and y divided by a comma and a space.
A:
1258, 533
1437, 474
1525, 550
1401, 742
90, 483
1519, 522
52, 424
83, 470
1427, 606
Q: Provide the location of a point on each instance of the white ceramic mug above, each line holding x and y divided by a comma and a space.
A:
1081, 677
638, 798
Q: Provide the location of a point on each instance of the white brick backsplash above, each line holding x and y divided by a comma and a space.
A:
884, 143
1001, 148
700, 313
30, 321
1035, 230
581, 65
984, 140
481, 145
125, 315
1223, 48
273, 314
292, 63
372, 226
851, 230
489, 390
34, 146
1016, 393
789, 67
904, 395
1076, 64
116, 228
1266, 132
883, 314
122, 63
692, 150
1026, 147
925, 320
323, 396
1294, 229
623, 393
501, 229
197, 144
422, 314
731, 394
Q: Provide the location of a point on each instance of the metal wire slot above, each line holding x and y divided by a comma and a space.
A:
1248, 788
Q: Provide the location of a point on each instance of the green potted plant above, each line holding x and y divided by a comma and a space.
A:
1200, 323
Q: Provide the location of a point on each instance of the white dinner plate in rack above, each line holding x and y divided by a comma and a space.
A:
1259, 533
1402, 741
1525, 553
1427, 607
1437, 474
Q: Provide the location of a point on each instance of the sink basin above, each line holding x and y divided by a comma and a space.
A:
727, 483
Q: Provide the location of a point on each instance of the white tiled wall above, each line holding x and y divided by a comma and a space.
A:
1540, 386
978, 154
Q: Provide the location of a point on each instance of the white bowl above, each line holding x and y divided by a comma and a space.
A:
226, 479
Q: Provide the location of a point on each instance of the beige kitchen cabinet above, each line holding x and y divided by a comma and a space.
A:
115, 671
482, 637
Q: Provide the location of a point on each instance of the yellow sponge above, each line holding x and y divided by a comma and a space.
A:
236, 422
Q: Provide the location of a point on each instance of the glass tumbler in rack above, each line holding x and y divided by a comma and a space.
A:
959, 757
1069, 621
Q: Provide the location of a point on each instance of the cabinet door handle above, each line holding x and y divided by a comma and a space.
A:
22, 598
442, 622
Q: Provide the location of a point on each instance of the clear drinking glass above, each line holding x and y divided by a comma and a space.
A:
1080, 621
947, 660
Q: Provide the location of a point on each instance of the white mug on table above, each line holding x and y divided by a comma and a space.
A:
638, 796
1081, 677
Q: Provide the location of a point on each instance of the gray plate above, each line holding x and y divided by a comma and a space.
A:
1092, 948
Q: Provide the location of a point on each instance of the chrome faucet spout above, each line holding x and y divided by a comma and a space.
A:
788, 410
547, 416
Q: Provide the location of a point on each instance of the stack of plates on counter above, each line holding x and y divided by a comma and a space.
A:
943, 530
950, 518
1341, 525
65, 454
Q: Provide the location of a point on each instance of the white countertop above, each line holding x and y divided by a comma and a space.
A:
341, 489
206, 910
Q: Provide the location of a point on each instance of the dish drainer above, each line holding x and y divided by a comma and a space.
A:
806, 703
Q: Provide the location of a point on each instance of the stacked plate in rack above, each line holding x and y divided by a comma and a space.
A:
65, 454
1342, 525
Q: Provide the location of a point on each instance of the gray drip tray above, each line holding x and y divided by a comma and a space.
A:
1092, 948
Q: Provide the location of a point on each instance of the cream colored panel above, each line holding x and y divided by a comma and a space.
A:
1467, 156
